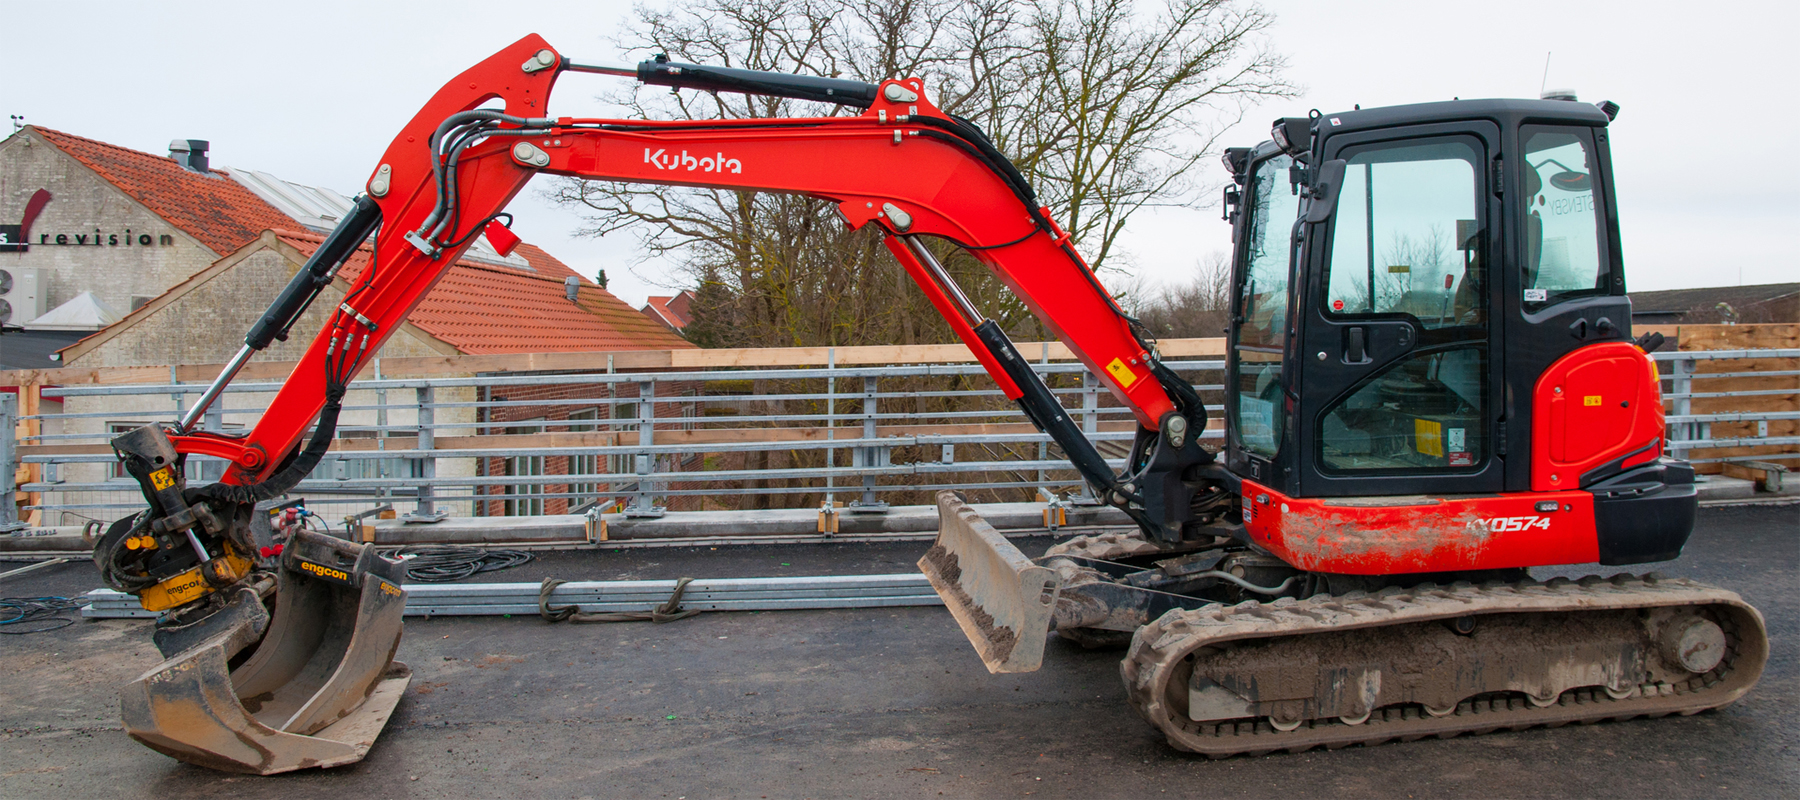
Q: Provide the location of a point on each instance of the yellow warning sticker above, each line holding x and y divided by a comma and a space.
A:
1121, 373
1428, 437
1591, 400
162, 478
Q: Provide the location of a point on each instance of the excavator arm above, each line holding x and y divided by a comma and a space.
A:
316, 678
901, 165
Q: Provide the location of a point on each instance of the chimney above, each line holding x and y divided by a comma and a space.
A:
190, 154
571, 288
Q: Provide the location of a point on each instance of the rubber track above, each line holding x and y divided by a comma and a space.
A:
1157, 651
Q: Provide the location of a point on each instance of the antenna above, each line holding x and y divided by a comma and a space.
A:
18, 121
1546, 81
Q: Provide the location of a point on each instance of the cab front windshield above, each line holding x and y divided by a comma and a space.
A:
1262, 304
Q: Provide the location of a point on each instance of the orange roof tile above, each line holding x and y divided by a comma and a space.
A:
546, 265
479, 309
211, 208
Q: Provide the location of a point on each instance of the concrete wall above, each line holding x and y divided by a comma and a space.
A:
81, 204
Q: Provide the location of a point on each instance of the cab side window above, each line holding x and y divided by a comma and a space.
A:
1563, 255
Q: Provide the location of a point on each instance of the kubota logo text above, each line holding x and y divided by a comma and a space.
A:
716, 162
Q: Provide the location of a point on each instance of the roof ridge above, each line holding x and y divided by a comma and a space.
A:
108, 145
515, 271
298, 234
465, 261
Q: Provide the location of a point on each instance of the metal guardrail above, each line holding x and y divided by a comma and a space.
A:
1689, 431
839, 421
834, 418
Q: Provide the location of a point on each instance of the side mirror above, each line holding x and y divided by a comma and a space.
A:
1325, 191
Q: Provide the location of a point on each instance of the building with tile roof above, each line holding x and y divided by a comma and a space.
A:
1762, 303
138, 229
675, 311
81, 215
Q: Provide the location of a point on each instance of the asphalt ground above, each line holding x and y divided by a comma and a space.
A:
857, 703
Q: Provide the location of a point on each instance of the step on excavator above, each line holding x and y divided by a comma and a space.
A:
1431, 387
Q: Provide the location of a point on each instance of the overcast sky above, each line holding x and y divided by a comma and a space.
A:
313, 92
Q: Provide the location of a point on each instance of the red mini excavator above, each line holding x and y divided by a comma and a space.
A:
1431, 387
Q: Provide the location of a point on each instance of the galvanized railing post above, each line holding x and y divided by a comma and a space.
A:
427, 466
870, 456
1682, 386
831, 424
643, 501
1090, 425
213, 420
9, 462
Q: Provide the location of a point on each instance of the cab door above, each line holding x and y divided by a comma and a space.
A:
1398, 372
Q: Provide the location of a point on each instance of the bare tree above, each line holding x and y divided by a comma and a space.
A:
1196, 307
1409, 278
1105, 110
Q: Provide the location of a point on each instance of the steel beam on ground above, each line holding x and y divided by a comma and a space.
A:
707, 594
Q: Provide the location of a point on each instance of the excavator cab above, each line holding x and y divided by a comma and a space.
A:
1390, 293
1414, 287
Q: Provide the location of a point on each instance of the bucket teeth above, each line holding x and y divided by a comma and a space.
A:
1001, 600
314, 692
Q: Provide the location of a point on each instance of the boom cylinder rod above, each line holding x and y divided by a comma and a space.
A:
1035, 399
619, 70
337, 248
942, 276
192, 417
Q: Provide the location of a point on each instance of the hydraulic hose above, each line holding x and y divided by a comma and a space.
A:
296, 470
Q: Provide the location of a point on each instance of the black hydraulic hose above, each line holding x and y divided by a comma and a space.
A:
296, 470
449, 124
998, 162
1186, 398
453, 210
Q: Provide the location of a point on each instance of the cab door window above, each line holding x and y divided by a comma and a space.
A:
1262, 306
1406, 240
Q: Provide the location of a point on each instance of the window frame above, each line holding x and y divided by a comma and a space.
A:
1478, 149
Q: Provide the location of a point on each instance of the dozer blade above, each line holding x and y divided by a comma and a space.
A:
316, 690
1001, 599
